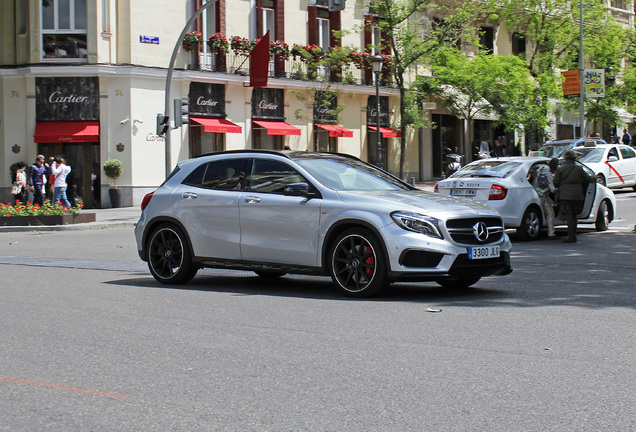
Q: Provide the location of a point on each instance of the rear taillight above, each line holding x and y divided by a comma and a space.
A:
146, 200
497, 192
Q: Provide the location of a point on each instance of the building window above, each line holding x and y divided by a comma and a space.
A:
64, 29
619, 4
487, 39
519, 45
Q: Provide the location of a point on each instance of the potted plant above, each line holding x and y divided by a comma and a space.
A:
113, 168
191, 41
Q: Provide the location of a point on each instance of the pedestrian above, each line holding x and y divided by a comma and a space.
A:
499, 150
571, 179
60, 170
484, 149
19, 184
544, 185
37, 180
627, 138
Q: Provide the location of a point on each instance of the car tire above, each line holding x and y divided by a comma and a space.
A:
169, 257
357, 263
269, 274
530, 228
458, 282
602, 217
600, 179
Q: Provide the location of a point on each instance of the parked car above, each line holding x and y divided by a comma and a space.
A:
613, 164
314, 213
504, 184
557, 148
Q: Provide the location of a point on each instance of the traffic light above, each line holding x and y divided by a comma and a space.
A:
336, 5
181, 112
163, 124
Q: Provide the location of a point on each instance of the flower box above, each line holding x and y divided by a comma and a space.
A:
66, 219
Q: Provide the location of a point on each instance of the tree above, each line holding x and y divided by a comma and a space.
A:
552, 30
415, 30
485, 85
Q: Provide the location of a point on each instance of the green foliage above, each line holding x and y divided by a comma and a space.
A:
113, 168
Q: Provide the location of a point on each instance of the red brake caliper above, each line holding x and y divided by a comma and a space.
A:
369, 261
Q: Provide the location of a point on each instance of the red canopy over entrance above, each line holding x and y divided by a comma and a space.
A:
218, 125
277, 127
66, 131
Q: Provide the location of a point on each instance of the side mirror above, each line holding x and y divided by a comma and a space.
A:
612, 159
298, 189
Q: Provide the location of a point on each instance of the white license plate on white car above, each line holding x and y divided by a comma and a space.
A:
483, 252
463, 192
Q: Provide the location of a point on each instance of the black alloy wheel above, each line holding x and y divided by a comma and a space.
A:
169, 258
357, 264
530, 228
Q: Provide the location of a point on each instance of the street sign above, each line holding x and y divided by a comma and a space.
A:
571, 83
149, 39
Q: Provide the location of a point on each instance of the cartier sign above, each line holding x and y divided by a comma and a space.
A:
67, 98
207, 99
268, 103
372, 111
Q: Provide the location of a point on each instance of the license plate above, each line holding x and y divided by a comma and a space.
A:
483, 252
463, 192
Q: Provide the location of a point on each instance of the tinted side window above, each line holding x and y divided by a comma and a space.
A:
628, 152
226, 174
272, 176
196, 177
613, 152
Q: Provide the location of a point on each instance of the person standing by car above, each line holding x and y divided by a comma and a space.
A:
543, 183
570, 178
499, 150
484, 149
60, 170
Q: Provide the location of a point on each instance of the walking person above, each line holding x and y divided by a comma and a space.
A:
60, 170
37, 179
19, 184
571, 180
484, 149
499, 150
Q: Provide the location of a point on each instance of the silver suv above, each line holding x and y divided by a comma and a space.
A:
314, 213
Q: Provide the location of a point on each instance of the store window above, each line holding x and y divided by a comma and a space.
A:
64, 29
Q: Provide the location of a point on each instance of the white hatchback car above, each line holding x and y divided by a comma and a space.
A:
503, 185
613, 164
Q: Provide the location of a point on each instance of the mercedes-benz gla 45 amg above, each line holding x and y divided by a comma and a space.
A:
314, 213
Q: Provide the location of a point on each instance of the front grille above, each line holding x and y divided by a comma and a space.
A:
463, 231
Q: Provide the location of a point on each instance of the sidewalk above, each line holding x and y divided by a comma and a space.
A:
125, 217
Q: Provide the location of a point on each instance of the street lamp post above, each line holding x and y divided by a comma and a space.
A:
376, 62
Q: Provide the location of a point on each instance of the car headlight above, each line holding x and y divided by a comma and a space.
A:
418, 223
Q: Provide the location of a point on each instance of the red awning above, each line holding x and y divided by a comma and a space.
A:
277, 127
66, 131
336, 130
387, 132
218, 125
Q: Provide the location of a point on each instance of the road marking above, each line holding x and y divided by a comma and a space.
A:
61, 387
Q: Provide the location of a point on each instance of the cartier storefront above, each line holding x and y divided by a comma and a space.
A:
67, 123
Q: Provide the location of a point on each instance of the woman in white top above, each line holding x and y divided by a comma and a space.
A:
19, 186
60, 170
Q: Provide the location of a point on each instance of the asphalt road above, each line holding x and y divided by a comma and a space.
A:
89, 341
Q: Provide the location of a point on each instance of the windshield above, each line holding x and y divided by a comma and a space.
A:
590, 154
341, 174
555, 150
488, 168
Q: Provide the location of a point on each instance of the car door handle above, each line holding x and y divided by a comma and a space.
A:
252, 200
189, 195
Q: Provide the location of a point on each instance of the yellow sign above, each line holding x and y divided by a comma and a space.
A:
594, 82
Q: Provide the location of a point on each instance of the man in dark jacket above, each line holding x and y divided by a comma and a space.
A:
36, 180
571, 179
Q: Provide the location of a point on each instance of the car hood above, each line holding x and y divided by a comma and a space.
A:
417, 201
